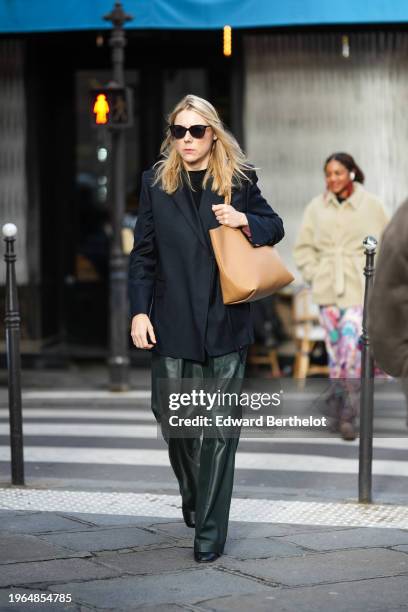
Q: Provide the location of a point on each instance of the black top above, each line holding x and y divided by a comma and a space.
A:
218, 338
196, 178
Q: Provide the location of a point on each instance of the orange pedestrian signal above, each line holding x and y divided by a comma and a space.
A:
101, 109
111, 107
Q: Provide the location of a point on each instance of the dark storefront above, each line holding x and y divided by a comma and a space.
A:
55, 168
65, 303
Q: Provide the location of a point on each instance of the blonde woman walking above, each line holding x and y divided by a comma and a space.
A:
175, 295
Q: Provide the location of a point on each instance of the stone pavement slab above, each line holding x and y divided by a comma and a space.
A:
106, 539
168, 588
258, 548
244, 531
21, 547
350, 538
103, 520
150, 561
159, 608
402, 548
317, 568
38, 522
174, 529
57, 570
13, 513
241, 530
375, 595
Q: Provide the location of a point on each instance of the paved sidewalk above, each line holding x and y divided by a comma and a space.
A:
111, 561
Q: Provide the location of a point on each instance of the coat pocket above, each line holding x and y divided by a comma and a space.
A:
324, 277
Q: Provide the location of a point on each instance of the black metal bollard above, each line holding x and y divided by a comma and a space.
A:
367, 385
12, 325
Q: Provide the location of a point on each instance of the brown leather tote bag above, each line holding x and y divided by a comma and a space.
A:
247, 273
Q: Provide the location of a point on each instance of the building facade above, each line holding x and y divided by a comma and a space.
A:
292, 92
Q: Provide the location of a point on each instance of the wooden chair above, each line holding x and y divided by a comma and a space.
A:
261, 355
307, 333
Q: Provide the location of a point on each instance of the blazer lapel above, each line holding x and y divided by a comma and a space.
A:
207, 216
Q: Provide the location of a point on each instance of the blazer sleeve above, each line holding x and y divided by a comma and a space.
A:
142, 259
265, 224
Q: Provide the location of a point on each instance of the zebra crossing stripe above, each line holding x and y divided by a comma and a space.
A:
68, 394
245, 461
151, 432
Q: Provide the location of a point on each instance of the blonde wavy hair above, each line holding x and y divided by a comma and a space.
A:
227, 163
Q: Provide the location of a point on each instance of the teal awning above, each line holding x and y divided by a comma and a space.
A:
58, 15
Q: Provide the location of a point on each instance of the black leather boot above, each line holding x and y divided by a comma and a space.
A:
205, 557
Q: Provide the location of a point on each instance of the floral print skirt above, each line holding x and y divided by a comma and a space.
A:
343, 328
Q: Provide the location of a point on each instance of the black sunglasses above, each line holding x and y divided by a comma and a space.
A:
196, 131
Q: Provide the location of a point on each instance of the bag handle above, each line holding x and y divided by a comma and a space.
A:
227, 197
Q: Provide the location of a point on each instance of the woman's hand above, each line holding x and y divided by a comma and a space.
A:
141, 326
227, 215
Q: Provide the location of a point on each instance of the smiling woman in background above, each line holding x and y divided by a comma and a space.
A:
329, 253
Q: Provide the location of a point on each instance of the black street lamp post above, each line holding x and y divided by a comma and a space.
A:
118, 354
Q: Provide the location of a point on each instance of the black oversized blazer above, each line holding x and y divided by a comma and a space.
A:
172, 263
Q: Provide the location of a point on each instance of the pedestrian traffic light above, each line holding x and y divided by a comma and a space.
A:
111, 107
101, 109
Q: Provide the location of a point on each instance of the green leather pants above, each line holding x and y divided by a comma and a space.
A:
204, 464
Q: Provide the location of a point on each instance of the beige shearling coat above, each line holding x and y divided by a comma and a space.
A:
329, 249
